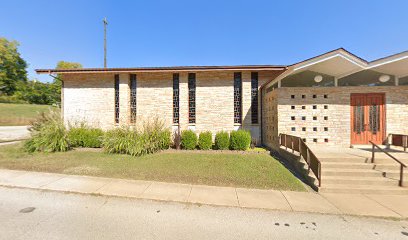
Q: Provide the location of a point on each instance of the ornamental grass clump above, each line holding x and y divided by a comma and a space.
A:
48, 134
188, 139
150, 138
205, 140
222, 140
81, 135
240, 140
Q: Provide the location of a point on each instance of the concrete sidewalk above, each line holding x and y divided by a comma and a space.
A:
352, 204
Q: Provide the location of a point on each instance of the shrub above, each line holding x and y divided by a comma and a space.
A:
205, 140
240, 140
48, 134
222, 140
151, 138
83, 136
188, 139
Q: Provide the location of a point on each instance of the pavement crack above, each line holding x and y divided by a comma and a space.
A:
236, 194
287, 200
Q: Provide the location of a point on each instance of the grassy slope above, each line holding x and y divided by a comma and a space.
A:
19, 114
240, 170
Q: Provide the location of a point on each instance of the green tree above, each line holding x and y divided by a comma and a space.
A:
38, 93
12, 67
57, 84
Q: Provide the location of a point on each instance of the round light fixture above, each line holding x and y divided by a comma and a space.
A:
384, 78
318, 78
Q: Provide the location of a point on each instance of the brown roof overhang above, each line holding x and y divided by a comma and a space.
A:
164, 69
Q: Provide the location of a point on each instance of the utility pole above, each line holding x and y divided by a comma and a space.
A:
105, 22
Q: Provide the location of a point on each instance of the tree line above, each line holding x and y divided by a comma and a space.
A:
15, 87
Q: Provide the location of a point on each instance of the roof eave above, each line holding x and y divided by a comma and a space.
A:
163, 69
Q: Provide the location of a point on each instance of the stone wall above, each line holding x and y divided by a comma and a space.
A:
270, 136
90, 98
323, 115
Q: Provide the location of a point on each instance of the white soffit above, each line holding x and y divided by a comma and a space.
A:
336, 66
397, 67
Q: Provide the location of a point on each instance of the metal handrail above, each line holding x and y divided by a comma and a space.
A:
299, 146
402, 165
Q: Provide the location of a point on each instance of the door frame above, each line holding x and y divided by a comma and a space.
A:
383, 116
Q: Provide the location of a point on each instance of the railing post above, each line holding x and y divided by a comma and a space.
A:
300, 149
286, 142
320, 175
405, 143
389, 139
308, 159
401, 175
293, 147
372, 154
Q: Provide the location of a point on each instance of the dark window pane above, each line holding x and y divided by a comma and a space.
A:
176, 83
307, 79
191, 97
133, 86
366, 78
116, 98
237, 97
254, 97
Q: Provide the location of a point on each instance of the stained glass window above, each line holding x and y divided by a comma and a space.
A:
116, 98
237, 97
133, 85
191, 97
176, 83
374, 118
254, 97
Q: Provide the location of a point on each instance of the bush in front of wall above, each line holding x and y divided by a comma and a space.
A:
152, 137
205, 140
188, 139
48, 134
222, 140
240, 140
83, 136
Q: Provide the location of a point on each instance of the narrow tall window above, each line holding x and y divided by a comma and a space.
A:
191, 98
176, 84
237, 97
254, 97
116, 98
133, 86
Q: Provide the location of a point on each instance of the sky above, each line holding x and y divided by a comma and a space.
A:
182, 33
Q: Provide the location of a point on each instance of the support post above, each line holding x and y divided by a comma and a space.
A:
372, 154
401, 176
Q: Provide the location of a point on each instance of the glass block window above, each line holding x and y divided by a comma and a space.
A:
116, 98
176, 91
133, 84
254, 97
191, 98
237, 97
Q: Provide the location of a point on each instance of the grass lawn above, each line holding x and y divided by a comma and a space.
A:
218, 169
12, 114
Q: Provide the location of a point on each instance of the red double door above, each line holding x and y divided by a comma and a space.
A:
367, 118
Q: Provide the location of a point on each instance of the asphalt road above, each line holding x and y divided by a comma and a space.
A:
32, 214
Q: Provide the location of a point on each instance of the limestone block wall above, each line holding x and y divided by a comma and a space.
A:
90, 98
323, 115
270, 120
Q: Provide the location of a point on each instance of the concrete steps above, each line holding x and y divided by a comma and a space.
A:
367, 181
343, 172
359, 175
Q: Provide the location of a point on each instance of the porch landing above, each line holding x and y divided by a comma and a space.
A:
349, 170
